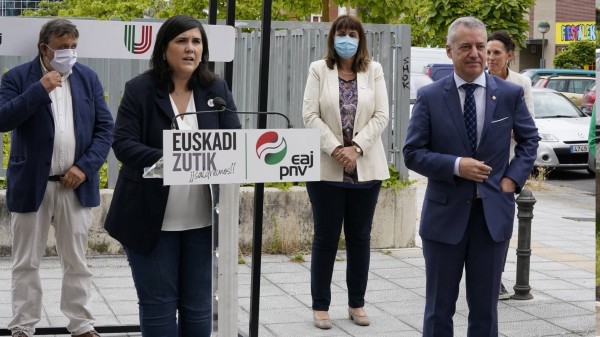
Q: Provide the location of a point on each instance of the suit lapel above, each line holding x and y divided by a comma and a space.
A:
333, 86
164, 103
491, 95
361, 83
452, 100
201, 104
75, 82
34, 76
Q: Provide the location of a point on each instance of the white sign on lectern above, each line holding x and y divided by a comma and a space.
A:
240, 156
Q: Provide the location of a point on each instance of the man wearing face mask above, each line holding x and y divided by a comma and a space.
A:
346, 99
61, 133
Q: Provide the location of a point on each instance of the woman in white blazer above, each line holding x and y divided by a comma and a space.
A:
500, 51
346, 99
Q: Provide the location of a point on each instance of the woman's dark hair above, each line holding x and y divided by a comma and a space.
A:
343, 22
502, 36
159, 68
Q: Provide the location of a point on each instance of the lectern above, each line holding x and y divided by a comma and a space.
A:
224, 159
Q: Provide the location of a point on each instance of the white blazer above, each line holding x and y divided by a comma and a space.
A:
525, 82
321, 110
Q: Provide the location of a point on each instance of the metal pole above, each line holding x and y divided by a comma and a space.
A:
227, 259
259, 189
543, 60
215, 263
212, 20
230, 21
525, 202
109, 329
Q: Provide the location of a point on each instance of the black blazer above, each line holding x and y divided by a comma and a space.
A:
138, 205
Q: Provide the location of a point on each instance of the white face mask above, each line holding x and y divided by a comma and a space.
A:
63, 60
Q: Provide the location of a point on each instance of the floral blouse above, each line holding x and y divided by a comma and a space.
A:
348, 102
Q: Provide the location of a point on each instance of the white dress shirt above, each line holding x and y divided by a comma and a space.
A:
188, 206
63, 152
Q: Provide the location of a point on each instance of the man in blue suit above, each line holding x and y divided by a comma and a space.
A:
459, 138
61, 132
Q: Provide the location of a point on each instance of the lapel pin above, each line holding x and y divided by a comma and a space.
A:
493, 98
210, 103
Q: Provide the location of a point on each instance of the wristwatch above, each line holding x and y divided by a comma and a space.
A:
358, 149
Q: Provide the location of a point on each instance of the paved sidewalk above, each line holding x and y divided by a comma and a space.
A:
562, 278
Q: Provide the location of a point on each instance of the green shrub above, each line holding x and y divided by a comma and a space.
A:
395, 181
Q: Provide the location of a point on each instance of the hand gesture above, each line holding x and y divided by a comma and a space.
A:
347, 157
73, 178
473, 169
51, 80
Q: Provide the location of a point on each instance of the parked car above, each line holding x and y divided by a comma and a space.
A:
589, 98
563, 129
438, 70
416, 82
535, 73
573, 87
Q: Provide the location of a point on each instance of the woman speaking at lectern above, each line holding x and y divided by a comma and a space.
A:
166, 230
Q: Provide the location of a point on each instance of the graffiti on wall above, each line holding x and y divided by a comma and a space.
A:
568, 32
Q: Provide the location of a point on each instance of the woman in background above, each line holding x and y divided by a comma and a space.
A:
500, 51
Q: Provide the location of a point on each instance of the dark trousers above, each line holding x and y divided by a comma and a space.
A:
173, 284
354, 208
482, 259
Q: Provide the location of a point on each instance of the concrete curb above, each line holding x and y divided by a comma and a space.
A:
287, 224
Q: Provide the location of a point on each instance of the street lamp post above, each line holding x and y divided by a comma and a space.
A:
543, 27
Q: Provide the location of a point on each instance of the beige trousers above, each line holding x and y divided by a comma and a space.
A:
60, 208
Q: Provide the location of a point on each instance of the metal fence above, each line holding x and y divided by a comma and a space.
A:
294, 45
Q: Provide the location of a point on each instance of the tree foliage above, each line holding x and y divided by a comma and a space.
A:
577, 55
126, 10
102, 10
430, 20
378, 11
597, 27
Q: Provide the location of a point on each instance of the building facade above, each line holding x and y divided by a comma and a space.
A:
569, 20
16, 7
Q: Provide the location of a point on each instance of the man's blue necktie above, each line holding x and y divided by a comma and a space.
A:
470, 114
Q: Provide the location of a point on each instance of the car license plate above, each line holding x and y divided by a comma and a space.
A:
579, 148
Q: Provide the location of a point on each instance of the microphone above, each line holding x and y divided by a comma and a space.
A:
221, 105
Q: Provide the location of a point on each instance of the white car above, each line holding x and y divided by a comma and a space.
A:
416, 82
563, 129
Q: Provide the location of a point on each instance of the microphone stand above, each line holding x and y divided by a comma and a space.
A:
289, 124
174, 119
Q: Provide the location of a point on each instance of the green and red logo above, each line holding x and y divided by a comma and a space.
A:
141, 46
271, 148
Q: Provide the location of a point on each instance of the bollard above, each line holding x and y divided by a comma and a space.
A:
525, 202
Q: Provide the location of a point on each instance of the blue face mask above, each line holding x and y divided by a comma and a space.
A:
345, 46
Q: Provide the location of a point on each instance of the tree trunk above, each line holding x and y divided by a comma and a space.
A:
325, 13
